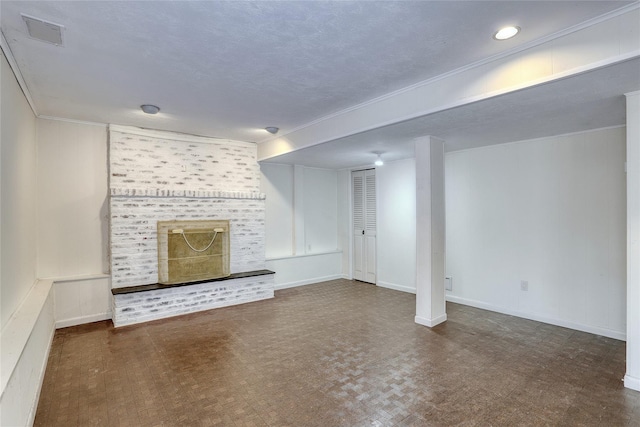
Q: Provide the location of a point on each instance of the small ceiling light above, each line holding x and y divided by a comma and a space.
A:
272, 129
150, 109
506, 33
379, 161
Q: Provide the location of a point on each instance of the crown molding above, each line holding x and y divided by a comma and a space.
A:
78, 122
4, 45
176, 136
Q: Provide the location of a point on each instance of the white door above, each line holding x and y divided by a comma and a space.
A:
364, 225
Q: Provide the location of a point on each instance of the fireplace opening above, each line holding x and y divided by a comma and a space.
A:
192, 250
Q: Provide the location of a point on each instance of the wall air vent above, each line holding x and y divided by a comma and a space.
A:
46, 31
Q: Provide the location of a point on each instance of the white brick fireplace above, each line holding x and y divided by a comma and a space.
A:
159, 176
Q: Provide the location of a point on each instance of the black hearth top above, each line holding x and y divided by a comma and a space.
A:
155, 286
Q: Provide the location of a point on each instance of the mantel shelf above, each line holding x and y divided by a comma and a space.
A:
197, 194
156, 286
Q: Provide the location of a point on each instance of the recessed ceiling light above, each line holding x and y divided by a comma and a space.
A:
506, 33
150, 109
272, 129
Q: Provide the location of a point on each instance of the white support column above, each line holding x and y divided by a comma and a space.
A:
632, 377
298, 210
430, 232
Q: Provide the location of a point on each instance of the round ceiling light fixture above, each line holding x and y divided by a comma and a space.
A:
272, 129
506, 33
150, 109
378, 161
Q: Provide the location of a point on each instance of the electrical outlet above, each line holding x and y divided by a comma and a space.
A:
524, 285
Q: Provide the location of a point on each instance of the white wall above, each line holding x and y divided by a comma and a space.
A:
73, 219
550, 212
18, 191
301, 232
632, 377
344, 221
317, 210
26, 318
320, 210
396, 241
277, 183
72, 195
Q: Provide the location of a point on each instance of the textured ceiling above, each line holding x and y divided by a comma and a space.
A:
228, 69
588, 101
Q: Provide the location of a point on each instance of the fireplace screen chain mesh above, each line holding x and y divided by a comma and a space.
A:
184, 236
180, 260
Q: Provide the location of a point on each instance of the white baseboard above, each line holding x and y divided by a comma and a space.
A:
307, 281
41, 373
395, 287
609, 333
65, 323
430, 322
632, 382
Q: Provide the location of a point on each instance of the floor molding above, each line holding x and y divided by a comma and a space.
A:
632, 382
538, 318
307, 281
395, 287
430, 322
82, 320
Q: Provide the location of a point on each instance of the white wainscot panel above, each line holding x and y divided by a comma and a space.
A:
306, 269
79, 301
25, 341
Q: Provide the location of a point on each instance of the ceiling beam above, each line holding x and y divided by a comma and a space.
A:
604, 42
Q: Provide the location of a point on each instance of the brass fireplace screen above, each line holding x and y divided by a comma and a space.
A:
191, 251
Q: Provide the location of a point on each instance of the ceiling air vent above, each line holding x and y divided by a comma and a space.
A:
45, 31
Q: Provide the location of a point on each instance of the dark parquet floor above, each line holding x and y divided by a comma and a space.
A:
338, 353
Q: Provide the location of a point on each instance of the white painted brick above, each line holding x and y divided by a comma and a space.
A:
140, 246
166, 165
154, 179
158, 304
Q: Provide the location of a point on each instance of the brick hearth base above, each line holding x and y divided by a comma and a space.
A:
151, 302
